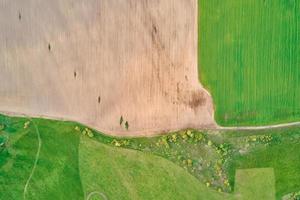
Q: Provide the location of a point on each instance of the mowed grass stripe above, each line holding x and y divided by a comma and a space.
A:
249, 60
256, 183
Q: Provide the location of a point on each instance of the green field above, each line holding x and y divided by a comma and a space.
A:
249, 59
181, 165
248, 180
282, 153
127, 174
72, 165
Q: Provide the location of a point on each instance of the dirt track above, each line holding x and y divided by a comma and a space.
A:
95, 61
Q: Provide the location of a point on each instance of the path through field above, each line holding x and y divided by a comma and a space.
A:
241, 128
97, 193
88, 165
36, 157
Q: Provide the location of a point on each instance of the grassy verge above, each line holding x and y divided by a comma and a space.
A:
75, 161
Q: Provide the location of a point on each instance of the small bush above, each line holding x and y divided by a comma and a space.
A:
2, 126
77, 128
26, 124
116, 143
209, 143
87, 132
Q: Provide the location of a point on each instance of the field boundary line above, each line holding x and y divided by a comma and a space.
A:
36, 157
242, 128
96, 192
157, 132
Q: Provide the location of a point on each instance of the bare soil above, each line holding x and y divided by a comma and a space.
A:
95, 61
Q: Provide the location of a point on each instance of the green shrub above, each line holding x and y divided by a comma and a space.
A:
2, 126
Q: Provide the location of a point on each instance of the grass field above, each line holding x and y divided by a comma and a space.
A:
249, 59
73, 163
281, 152
127, 174
57, 173
248, 180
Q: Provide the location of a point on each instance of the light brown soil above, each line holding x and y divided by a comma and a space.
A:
97, 60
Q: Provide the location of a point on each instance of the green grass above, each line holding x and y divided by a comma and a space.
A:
255, 184
71, 165
282, 154
249, 59
57, 173
127, 174
181, 165
17, 159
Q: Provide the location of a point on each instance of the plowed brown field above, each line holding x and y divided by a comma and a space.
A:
95, 61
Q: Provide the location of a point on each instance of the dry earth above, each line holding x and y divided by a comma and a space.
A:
94, 61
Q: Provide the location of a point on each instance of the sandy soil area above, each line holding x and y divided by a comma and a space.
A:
97, 60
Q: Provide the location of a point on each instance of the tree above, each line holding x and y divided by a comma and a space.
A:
126, 125
121, 120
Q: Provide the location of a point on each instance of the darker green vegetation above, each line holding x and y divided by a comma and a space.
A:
278, 149
214, 157
211, 157
57, 173
74, 161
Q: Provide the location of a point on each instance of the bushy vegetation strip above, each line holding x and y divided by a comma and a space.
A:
212, 157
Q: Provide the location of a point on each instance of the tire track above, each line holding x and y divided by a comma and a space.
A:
96, 193
36, 158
